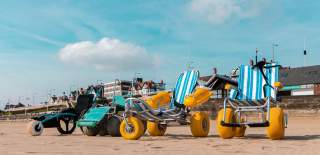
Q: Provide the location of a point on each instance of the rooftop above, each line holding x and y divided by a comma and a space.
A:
300, 75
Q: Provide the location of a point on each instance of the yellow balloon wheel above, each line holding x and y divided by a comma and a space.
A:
240, 131
223, 131
276, 124
200, 124
133, 130
155, 129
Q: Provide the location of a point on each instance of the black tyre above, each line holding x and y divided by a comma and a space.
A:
66, 124
113, 126
90, 131
103, 128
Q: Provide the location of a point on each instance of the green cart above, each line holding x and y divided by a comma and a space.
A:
103, 120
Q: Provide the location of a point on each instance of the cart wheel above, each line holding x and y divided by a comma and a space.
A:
200, 124
240, 131
223, 131
35, 128
103, 128
66, 124
90, 131
113, 126
156, 129
276, 127
133, 130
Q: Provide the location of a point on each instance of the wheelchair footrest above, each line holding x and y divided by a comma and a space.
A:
262, 124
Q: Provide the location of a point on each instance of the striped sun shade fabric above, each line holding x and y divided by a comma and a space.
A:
185, 85
252, 83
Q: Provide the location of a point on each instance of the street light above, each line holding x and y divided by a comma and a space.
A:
273, 47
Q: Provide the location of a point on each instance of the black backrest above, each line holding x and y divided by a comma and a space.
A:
84, 102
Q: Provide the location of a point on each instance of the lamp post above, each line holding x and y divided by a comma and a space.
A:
273, 47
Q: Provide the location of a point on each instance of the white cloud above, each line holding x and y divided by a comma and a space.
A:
108, 54
219, 11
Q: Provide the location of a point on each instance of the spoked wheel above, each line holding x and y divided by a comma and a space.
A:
132, 128
35, 128
200, 124
66, 124
156, 129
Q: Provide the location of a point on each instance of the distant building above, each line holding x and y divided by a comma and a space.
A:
300, 81
124, 87
10, 106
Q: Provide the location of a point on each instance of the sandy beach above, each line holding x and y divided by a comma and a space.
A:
302, 137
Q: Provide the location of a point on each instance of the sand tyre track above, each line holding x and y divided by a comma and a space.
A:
156, 129
225, 132
200, 124
133, 130
35, 128
276, 128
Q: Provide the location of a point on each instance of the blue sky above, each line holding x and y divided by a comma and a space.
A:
57, 45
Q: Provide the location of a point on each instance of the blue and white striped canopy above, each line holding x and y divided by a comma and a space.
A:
185, 85
251, 83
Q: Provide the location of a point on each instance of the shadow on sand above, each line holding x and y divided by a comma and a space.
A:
248, 137
300, 137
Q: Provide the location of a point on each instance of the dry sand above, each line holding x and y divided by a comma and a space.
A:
302, 137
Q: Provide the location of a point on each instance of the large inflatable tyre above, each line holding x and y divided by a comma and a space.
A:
113, 126
90, 131
156, 129
223, 131
35, 128
66, 124
103, 128
200, 124
240, 131
276, 124
134, 130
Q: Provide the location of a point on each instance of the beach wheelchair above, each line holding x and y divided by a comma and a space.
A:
254, 103
155, 113
64, 121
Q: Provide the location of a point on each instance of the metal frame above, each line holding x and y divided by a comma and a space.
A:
259, 109
146, 113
